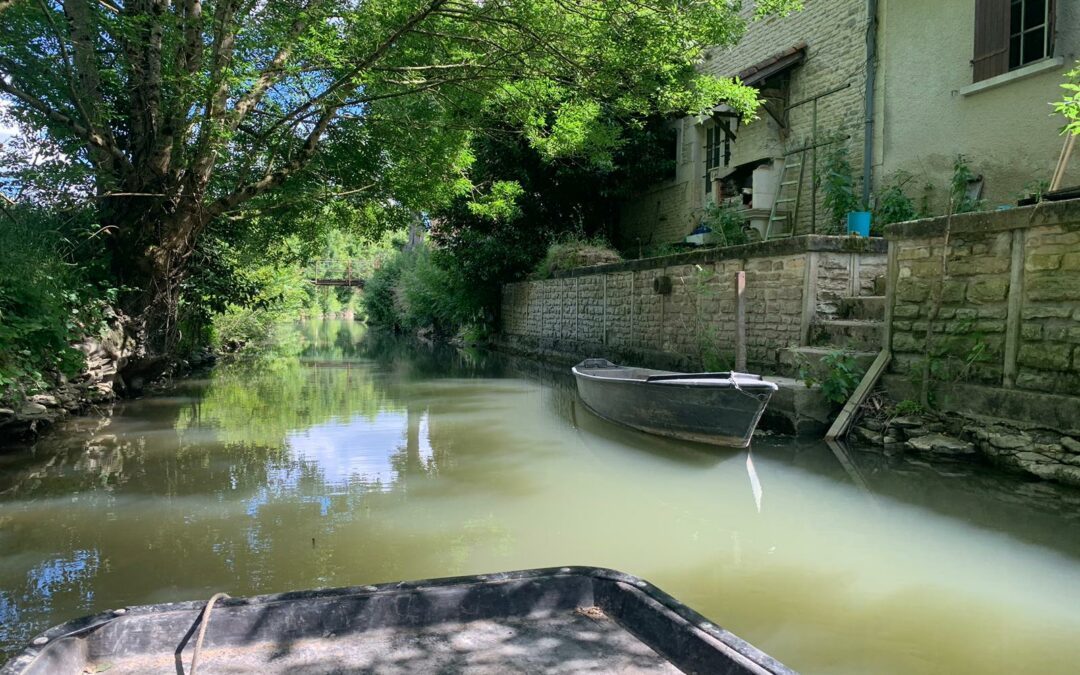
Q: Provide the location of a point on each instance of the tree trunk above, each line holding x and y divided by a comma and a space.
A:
151, 248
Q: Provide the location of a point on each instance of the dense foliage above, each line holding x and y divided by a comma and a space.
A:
46, 301
574, 252
191, 125
411, 292
182, 116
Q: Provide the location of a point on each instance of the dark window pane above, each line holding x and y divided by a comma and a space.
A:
1017, 15
1034, 45
1014, 52
1034, 13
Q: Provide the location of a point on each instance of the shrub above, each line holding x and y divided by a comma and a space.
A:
837, 180
727, 222
892, 205
45, 304
575, 252
841, 377
959, 188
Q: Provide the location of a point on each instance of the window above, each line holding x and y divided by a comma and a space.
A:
669, 169
1029, 32
1010, 34
718, 139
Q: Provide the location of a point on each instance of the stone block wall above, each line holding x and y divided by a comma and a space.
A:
613, 310
998, 298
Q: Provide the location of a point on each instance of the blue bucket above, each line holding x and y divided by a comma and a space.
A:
858, 222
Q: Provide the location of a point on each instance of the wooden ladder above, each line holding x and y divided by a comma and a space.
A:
783, 196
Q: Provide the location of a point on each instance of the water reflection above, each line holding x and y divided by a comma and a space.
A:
361, 458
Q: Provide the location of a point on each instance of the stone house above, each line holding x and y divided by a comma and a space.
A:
944, 79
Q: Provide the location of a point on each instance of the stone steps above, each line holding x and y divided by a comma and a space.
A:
794, 359
863, 308
849, 334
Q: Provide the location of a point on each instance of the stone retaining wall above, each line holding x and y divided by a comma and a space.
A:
1008, 325
614, 310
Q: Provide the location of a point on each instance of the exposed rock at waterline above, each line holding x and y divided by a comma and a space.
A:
45, 400
941, 444
31, 409
1036, 452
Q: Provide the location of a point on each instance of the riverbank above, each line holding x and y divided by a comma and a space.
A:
96, 387
1036, 452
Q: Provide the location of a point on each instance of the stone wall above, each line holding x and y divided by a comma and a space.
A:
834, 34
1005, 341
614, 311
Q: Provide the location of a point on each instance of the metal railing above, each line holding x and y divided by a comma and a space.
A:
338, 272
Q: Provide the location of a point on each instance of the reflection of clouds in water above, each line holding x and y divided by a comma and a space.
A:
59, 574
357, 451
339, 454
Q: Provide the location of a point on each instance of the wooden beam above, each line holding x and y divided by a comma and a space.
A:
843, 420
740, 321
810, 286
1063, 162
1014, 317
892, 275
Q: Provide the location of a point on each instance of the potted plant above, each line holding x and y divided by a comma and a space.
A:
838, 186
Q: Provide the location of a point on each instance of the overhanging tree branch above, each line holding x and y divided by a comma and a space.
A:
93, 138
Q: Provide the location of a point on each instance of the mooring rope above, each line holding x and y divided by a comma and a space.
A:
204, 621
735, 384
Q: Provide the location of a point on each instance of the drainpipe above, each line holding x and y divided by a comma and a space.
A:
871, 81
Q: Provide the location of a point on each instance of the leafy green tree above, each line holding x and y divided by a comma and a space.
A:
185, 114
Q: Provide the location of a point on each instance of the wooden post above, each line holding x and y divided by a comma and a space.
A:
809, 309
1014, 318
892, 275
740, 321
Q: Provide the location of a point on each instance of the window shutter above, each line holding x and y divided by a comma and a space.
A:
991, 38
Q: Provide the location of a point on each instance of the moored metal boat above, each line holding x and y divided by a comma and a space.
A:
715, 408
569, 619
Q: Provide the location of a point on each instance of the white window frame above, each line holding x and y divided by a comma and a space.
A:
1022, 33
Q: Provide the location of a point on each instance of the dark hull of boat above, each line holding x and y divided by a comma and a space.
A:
601, 620
725, 416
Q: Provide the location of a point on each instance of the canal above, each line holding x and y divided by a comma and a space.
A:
361, 459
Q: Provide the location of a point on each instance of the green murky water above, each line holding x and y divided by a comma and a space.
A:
364, 460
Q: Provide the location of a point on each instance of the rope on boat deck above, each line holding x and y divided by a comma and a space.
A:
204, 621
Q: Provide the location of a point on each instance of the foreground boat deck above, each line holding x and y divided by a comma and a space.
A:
584, 641
565, 620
